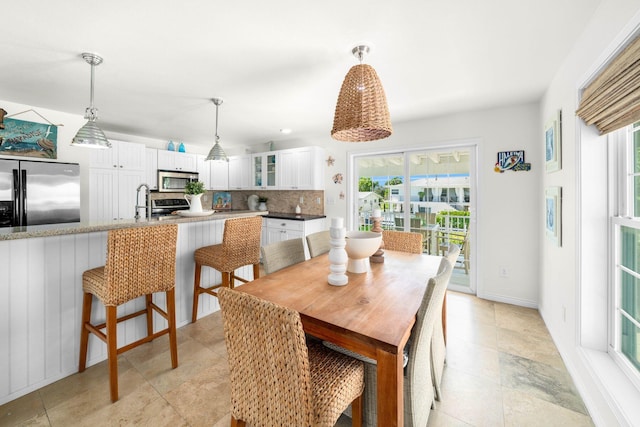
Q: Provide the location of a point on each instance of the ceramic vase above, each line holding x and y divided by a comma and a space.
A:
337, 254
194, 201
262, 206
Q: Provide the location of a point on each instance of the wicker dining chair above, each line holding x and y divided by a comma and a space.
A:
402, 241
419, 393
439, 340
276, 378
240, 246
140, 261
318, 243
278, 255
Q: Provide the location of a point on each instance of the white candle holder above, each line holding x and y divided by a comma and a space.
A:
337, 254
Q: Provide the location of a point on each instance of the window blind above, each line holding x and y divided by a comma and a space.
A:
612, 100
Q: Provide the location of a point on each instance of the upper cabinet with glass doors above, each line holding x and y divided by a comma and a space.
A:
265, 171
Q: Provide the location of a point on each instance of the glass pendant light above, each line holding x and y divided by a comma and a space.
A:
90, 134
217, 153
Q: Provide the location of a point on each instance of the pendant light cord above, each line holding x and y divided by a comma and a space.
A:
217, 137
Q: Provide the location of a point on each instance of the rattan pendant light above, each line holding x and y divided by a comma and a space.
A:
361, 112
217, 153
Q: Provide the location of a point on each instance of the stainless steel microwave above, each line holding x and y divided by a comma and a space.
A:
174, 181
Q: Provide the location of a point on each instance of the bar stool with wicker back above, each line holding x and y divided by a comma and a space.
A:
240, 246
140, 261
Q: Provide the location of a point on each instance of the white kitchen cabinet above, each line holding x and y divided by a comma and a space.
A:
301, 169
151, 155
112, 193
114, 176
265, 171
277, 229
177, 161
240, 172
121, 155
219, 175
204, 171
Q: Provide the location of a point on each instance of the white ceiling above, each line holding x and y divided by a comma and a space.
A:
277, 63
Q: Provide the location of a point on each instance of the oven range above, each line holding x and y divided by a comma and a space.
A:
165, 207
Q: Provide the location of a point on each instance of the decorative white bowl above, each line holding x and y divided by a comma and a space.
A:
360, 246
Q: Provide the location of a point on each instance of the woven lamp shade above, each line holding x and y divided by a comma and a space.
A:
361, 112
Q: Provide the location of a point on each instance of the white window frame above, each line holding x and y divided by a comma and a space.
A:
621, 215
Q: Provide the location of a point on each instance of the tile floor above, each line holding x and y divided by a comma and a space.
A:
502, 370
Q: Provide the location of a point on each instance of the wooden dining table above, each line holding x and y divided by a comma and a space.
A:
372, 314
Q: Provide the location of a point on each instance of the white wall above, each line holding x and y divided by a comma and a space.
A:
573, 293
507, 214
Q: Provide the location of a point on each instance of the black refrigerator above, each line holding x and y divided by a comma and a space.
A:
34, 193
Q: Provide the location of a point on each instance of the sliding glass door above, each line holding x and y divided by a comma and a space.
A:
423, 191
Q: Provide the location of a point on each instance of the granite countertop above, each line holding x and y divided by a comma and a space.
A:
297, 217
14, 233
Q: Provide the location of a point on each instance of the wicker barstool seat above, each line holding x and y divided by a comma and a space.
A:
140, 261
240, 246
402, 241
276, 378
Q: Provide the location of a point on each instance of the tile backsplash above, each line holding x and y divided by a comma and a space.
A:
283, 201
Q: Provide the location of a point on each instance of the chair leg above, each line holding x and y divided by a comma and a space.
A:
356, 412
148, 300
256, 271
171, 314
227, 279
237, 423
84, 332
196, 292
112, 350
444, 318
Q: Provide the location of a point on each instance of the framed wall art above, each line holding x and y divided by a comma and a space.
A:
553, 214
23, 138
553, 143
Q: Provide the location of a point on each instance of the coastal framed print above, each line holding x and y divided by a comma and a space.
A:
553, 143
553, 214
31, 139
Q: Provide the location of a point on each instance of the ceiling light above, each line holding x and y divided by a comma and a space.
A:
90, 134
361, 112
217, 153
285, 131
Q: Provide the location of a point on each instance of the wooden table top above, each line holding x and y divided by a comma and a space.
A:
377, 307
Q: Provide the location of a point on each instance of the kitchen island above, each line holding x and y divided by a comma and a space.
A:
41, 294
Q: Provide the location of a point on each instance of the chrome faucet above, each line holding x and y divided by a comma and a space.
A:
147, 206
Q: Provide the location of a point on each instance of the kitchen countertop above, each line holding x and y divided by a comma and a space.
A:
14, 233
293, 216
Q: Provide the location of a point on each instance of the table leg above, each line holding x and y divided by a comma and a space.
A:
390, 389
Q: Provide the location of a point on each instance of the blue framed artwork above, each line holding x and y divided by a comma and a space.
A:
553, 214
31, 139
511, 160
222, 201
553, 143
